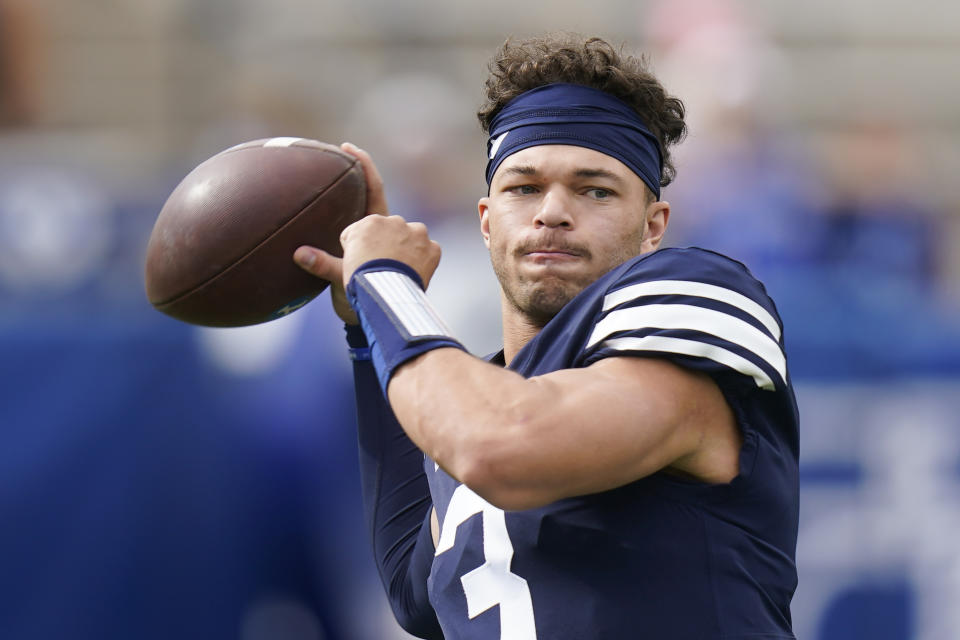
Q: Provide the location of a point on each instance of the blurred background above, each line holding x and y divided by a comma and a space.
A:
159, 480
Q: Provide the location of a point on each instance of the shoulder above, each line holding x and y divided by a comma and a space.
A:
693, 265
696, 307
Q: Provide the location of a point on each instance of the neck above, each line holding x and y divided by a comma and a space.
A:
518, 330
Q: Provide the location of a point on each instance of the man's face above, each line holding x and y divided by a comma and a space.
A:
557, 218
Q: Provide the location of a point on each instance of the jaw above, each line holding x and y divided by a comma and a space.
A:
542, 295
537, 286
529, 303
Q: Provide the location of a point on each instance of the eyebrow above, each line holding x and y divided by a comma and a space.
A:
530, 170
521, 170
598, 173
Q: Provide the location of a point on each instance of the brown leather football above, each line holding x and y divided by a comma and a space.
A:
221, 251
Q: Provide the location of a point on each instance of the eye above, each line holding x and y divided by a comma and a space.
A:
599, 193
522, 189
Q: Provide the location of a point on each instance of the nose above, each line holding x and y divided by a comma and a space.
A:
554, 210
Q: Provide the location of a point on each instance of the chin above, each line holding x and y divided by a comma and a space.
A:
546, 300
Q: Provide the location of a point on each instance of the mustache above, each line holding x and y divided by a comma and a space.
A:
550, 244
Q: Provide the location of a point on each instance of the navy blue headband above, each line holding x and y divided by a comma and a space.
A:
580, 116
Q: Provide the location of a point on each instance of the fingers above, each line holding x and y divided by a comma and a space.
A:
389, 237
319, 263
323, 265
432, 264
394, 226
376, 198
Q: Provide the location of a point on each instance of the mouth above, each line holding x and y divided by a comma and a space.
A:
551, 254
543, 254
550, 248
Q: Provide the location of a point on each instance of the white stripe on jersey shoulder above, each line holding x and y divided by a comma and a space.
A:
693, 348
696, 289
408, 302
691, 318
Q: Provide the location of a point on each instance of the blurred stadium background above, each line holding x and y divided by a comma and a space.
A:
164, 481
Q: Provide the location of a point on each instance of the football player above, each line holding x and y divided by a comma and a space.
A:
626, 467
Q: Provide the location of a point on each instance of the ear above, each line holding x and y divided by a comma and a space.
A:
656, 217
483, 208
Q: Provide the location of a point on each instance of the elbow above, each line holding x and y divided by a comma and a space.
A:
517, 500
421, 624
411, 610
502, 456
503, 476
508, 497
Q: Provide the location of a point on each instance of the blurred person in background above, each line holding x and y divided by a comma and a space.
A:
754, 190
628, 462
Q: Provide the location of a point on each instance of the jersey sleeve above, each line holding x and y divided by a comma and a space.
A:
698, 309
396, 502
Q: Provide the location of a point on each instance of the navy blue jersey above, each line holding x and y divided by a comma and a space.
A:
660, 557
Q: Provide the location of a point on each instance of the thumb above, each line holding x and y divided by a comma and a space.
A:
319, 263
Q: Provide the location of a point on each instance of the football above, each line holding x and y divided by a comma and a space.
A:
221, 250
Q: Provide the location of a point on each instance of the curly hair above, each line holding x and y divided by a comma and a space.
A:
527, 64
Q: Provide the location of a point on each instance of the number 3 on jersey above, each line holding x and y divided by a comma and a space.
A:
491, 583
